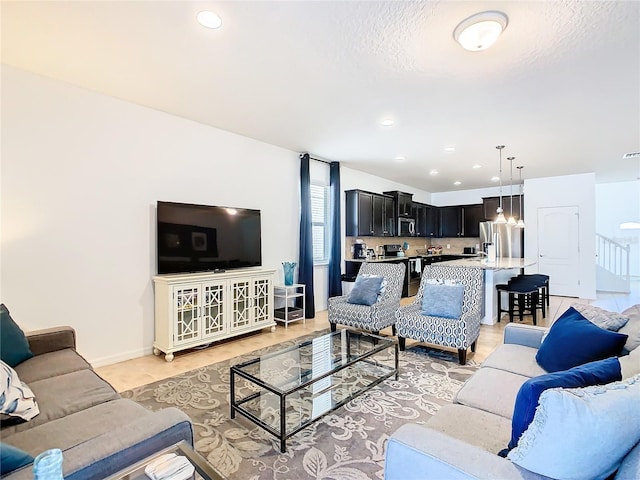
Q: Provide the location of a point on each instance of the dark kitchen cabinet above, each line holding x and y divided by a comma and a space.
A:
472, 216
427, 219
368, 214
491, 204
451, 221
403, 202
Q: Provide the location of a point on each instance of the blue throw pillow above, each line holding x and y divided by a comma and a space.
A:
14, 347
442, 300
600, 372
12, 458
365, 290
573, 340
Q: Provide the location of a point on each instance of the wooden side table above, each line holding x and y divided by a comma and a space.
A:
289, 313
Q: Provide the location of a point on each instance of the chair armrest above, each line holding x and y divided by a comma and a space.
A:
526, 335
415, 448
51, 339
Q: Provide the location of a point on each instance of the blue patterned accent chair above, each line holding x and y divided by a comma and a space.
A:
379, 315
460, 333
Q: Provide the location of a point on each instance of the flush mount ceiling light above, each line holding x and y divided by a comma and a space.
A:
400, 159
476, 166
387, 122
209, 19
433, 172
480, 31
457, 182
449, 149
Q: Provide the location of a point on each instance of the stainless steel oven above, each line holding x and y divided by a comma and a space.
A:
406, 227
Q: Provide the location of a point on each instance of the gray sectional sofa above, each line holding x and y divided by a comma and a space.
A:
98, 432
462, 440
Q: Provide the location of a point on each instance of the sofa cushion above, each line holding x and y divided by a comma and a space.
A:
606, 319
515, 359
632, 328
442, 300
64, 395
593, 373
78, 427
14, 347
491, 390
16, 398
365, 290
12, 458
479, 428
581, 433
561, 350
51, 364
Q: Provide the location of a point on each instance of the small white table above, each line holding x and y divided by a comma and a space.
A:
289, 313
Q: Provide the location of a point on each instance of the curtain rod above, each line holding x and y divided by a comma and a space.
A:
317, 159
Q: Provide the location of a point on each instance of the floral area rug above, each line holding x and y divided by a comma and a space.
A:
348, 443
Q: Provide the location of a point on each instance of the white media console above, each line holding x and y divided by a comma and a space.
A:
200, 308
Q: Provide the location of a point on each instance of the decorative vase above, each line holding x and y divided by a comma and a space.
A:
288, 268
48, 465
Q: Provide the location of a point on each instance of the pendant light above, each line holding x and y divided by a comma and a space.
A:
500, 218
512, 219
520, 223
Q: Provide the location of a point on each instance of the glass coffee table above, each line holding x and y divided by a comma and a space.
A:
203, 470
285, 391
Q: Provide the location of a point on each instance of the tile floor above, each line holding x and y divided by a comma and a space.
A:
141, 371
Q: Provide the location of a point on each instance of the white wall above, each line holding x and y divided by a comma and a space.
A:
617, 203
469, 197
569, 190
81, 173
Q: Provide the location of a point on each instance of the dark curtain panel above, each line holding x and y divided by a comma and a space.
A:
335, 282
305, 260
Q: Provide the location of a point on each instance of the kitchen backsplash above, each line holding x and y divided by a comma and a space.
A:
456, 244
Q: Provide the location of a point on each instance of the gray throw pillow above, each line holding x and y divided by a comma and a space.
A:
632, 328
602, 318
365, 290
442, 300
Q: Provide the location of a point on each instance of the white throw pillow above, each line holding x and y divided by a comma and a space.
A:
16, 397
630, 364
581, 433
603, 318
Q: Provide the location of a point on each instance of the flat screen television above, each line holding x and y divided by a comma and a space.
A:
201, 238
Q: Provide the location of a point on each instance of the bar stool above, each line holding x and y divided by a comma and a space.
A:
523, 295
543, 283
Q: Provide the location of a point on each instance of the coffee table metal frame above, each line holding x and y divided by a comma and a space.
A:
379, 345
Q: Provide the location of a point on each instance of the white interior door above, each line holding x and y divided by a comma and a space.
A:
559, 249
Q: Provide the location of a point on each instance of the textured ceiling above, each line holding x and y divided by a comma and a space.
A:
560, 88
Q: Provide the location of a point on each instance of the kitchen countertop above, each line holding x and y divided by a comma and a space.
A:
499, 264
406, 257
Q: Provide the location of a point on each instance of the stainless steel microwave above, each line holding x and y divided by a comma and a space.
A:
406, 227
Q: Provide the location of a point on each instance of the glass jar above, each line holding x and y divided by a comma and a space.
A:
48, 465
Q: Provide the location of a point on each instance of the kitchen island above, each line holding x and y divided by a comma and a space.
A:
495, 273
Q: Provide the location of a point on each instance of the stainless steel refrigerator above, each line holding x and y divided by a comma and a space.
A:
509, 241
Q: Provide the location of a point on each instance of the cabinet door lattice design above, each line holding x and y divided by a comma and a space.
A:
241, 304
186, 308
213, 310
261, 300
261, 288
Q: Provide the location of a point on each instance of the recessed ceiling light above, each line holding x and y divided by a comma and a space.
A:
449, 149
457, 182
480, 31
209, 19
433, 172
476, 166
400, 159
495, 179
387, 122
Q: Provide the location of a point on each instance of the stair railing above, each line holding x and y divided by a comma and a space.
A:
614, 258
